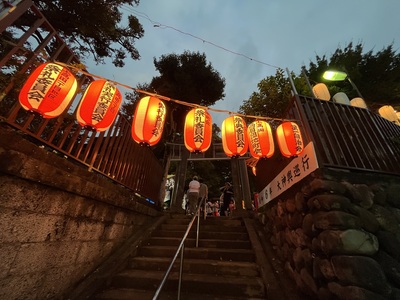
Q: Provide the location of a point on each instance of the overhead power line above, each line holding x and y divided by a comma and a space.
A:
163, 26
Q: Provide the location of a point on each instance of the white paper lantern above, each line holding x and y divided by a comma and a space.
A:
321, 91
358, 102
341, 98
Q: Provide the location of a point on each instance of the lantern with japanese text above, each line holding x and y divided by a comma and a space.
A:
99, 105
198, 130
234, 137
148, 121
261, 142
48, 90
289, 139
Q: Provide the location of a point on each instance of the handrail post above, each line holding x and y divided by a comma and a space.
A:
180, 273
198, 228
205, 209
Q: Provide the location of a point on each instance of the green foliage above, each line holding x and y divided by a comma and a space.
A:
376, 75
272, 98
216, 134
187, 77
92, 27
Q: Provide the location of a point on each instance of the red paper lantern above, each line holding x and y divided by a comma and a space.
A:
234, 137
48, 90
148, 121
290, 139
198, 130
99, 105
261, 143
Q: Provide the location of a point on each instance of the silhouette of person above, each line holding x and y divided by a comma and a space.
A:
227, 192
193, 195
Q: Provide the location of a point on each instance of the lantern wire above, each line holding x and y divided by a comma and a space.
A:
163, 26
161, 97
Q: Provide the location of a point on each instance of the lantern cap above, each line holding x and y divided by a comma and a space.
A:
332, 75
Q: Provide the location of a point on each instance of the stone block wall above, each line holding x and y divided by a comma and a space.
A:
338, 234
58, 222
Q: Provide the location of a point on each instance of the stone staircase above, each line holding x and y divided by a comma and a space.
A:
222, 267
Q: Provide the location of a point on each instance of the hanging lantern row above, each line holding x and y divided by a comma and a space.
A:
51, 87
259, 139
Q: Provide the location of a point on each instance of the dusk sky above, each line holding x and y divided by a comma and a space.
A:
264, 34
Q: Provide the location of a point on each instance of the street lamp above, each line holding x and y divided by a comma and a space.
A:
340, 76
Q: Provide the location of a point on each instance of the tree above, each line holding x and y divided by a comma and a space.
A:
92, 27
186, 77
272, 98
376, 75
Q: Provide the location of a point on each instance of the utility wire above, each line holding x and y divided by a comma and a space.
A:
162, 26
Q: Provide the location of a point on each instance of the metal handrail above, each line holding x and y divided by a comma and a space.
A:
181, 249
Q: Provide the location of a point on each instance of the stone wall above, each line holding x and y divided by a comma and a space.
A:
58, 222
339, 235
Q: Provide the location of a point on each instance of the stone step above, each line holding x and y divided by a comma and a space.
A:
204, 235
205, 243
222, 267
203, 227
209, 221
135, 294
193, 283
196, 266
199, 253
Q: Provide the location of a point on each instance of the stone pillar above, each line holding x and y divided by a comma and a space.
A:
244, 178
179, 189
237, 188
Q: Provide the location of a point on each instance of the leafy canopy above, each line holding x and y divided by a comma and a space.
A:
271, 99
187, 77
376, 75
94, 27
